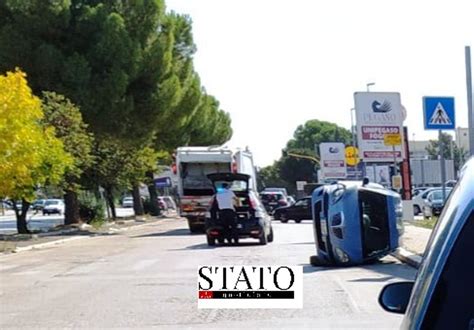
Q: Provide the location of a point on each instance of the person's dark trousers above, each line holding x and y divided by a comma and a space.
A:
229, 221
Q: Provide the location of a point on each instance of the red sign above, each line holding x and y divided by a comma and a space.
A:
378, 132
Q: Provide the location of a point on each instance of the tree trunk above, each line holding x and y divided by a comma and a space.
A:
110, 201
71, 214
137, 201
155, 208
21, 224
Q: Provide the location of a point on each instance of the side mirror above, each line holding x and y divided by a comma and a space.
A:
395, 297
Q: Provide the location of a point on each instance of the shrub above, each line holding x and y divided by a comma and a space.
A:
91, 210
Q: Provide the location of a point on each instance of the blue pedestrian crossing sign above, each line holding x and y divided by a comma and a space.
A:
438, 113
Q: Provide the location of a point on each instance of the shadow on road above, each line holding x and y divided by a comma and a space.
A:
174, 232
390, 270
204, 246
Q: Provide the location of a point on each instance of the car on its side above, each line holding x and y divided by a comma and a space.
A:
252, 219
434, 202
441, 295
53, 206
127, 202
300, 210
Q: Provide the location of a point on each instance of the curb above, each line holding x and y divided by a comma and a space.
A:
68, 239
48, 244
407, 257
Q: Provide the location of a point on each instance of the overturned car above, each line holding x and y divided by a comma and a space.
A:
355, 223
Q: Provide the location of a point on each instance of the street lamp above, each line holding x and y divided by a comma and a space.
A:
352, 127
368, 85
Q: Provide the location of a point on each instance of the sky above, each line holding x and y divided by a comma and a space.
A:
275, 64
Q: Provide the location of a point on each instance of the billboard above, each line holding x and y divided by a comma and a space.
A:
378, 114
333, 160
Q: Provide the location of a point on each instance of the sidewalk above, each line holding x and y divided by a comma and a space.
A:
23, 242
413, 244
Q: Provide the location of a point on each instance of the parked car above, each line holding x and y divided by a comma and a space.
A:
278, 190
418, 190
419, 200
127, 202
441, 295
252, 219
290, 200
167, 203
38, 204
434, 203
273, 200
299, 211
53, 206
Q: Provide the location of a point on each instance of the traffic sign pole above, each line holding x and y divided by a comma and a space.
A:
470, 101
443, 164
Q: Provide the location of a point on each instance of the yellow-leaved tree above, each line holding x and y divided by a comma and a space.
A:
30, 154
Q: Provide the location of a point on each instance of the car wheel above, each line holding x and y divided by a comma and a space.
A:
284, 217
270, 236
263, 238
298, 221
210, 240
221, 240
416, 209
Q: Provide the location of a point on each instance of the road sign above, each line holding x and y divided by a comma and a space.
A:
392, 139
378, 114
352, 156
333, 160
438, 113
397, 182
163, 182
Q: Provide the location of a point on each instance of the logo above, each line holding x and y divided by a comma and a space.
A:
440, 117
333, 150
381, 108
250, 287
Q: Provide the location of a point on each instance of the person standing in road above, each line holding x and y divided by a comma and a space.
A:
226, 201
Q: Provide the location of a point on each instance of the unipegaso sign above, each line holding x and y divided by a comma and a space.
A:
250, 287
378, 114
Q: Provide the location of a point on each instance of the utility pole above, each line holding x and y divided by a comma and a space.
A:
443, 164
470, 106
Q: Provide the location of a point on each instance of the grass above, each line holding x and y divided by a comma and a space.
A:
97, 223
426, 223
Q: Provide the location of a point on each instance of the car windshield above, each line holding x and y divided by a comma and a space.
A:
271, 197
438, 194
52, 202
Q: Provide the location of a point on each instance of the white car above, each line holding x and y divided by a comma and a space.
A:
53, 206
419, 200
127, 202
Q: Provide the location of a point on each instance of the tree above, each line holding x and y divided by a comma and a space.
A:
450, 150
137, 164
30, 154
306, 138
66, 118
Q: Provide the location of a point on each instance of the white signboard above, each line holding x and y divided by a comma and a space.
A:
378, 114
300, 185
333, 160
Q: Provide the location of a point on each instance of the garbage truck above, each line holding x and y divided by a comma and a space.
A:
195, 190
355, 222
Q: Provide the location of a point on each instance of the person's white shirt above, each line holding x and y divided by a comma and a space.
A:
225, 199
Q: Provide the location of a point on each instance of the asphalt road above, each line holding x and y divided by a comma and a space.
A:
147, 278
